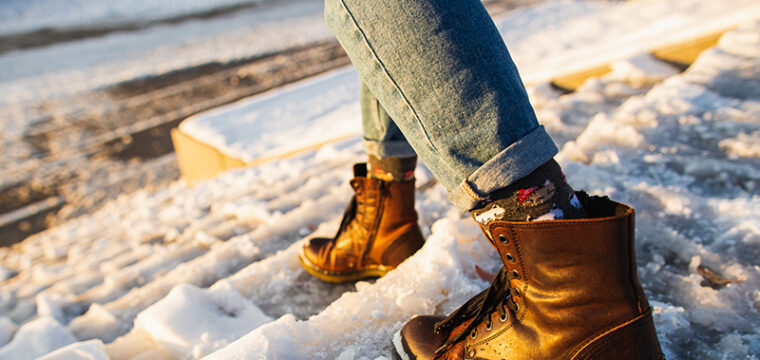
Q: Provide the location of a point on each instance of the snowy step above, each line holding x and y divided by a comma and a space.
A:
303, 116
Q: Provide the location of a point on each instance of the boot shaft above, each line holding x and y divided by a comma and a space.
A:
386, 210
382, 204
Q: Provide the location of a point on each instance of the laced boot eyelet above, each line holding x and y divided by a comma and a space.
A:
489, 326
515, 274
503, 239
517, 307
474, 334
510, 258
504, 317
516, 292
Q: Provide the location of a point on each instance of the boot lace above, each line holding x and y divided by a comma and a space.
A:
495, 298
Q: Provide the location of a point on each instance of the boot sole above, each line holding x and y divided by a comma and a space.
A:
340, 277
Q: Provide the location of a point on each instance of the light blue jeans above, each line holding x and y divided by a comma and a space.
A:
442, 72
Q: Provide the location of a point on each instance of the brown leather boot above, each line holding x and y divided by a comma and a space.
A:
568, 290
378, 231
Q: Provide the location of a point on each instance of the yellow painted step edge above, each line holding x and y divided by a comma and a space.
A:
199, 161
681, 54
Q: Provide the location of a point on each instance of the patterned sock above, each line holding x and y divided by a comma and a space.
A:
392, 168
542, 195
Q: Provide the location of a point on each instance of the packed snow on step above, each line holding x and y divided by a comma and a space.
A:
275, 124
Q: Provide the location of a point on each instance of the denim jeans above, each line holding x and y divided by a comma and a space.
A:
442, 72
382, 137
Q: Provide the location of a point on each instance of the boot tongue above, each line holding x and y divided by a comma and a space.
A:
477, 309
360, 170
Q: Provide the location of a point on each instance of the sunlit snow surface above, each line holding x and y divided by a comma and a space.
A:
211, 269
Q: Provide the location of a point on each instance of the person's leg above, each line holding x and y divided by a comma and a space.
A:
568, 288
379, 229
443, 73
390, 157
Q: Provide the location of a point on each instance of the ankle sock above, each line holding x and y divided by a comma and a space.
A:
392, 168
542, 195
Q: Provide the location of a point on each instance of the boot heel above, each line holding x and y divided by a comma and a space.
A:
634, 340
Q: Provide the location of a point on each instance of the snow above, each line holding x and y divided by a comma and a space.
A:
211, 270
325, 107
547, 40
30, 15
85, 350
367, 318
7, 329
562, 37
30, 76
36, 338
189, 321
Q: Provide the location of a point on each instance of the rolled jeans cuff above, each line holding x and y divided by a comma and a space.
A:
393, 148
515, 162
